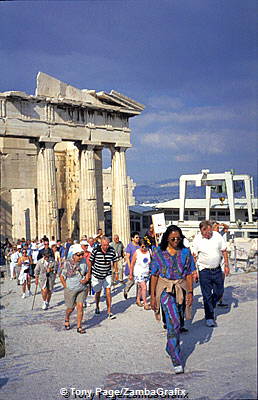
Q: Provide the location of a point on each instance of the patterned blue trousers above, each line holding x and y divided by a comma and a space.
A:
171, 310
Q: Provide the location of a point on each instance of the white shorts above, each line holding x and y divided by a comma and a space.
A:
98, 284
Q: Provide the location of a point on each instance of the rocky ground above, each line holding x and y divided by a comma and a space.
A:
128, 352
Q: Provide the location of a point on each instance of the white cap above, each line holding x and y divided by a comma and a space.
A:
76, 248
84, 243
19, 246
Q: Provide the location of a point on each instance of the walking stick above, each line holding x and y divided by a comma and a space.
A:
34, 295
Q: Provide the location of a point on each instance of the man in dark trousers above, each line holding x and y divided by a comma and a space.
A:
208, 249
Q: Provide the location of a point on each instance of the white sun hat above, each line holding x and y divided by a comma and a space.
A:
77, 248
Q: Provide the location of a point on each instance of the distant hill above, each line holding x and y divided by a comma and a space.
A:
164, 191
169, 189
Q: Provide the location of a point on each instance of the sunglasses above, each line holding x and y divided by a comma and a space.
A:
174, 239
79, 254
143, 247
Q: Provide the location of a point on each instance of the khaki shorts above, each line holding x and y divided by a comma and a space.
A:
72, 298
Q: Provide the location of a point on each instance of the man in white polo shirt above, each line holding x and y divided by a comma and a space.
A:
208, 249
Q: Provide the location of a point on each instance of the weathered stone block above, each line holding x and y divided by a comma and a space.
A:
70, 132
52, 87
16, 127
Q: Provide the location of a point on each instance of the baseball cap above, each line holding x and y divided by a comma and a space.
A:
77, 248
84, 243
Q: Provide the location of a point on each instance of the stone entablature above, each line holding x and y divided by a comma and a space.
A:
31, 126
85, 115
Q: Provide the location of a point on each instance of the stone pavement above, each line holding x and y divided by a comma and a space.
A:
128, 352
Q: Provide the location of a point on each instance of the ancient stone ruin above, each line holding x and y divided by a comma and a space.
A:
51, 160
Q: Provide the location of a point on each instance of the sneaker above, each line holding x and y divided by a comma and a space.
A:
30, 293
183, 330
222, 305
23, 296
210, 323
179, 369
97, 311
44, 305
111, 316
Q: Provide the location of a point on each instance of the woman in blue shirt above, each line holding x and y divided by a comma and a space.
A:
171, 284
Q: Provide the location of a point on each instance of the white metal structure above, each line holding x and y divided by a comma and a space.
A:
205, 178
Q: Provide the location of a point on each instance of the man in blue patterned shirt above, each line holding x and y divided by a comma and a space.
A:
74, 278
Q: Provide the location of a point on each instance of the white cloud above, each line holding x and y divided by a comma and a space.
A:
165, 102
184, 157
215, 115
189, 115
197, 142
158, 140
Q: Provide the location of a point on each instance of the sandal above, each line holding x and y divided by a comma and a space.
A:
81, 330
139, 304
147, 307
67, 325
111, 316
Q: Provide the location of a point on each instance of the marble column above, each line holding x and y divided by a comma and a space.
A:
99, 187
249, 195
230, 193
88, 197
182, 192
120, 207
47, 190
208, 202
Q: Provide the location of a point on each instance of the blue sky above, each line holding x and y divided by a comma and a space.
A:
192, 63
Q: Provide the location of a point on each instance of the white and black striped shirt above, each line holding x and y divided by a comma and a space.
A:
102, 262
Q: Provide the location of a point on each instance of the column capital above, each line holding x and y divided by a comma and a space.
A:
48, 139
87, 145
119, 148
48, 142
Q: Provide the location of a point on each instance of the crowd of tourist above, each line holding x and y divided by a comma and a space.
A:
169, 268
